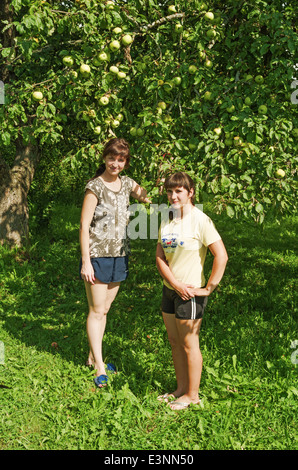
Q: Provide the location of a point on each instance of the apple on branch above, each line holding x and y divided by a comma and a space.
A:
68, 61
37, 95
114, 69
171, 9
103, 56
127, 39
192, 69
280, 173
85, 69
262, 109
121, 75
114, 45
209, 16
259, 79
178, 28
104, 101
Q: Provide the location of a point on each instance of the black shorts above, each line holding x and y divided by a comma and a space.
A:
109, 269
192, 309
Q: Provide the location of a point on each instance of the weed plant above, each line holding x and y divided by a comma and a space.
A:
248, 387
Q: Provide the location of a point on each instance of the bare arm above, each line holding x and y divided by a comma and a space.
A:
186, 292
88, 208
182, 289
140, 194
220, 260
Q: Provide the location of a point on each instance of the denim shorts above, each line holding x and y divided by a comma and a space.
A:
109, 269
192, 309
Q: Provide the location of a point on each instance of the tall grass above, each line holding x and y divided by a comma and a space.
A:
248, 388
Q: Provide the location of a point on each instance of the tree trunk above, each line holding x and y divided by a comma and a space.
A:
14, 187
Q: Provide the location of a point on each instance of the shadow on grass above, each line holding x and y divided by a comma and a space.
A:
44, 304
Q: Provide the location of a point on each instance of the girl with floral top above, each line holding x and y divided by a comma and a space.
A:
104, 243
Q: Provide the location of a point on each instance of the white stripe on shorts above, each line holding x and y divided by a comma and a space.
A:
193, 308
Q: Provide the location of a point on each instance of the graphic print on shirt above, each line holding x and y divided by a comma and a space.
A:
169, 242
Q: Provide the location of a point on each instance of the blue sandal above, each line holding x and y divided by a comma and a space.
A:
111, 368
101, 380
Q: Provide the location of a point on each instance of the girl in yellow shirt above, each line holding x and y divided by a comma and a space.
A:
180, 255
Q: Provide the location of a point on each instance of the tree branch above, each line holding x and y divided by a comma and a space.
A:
156, 23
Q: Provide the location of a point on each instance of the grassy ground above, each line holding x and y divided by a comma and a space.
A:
48, 399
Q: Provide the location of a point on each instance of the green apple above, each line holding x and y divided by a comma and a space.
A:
110, 5
247, 101
259, 79
207, 95
114, 69
295, 132
85, 69
231, 109
176, 80
104, 100
217, 130
126, 39
121, 75
115, 123
178, 28
248, 77
161, 105
192, 69
202, 55
228, 142
74, 73
117, 30
114, 45
160, 82
262, 109
120, 117
68, 61
97, 130
171, 9
209, 16
208, 63
133, 131
37, 95
103, 56
140, 132
280, 173
211, 33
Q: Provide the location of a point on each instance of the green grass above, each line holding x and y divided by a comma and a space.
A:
248, 388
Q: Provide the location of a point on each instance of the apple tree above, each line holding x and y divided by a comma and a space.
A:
205, 87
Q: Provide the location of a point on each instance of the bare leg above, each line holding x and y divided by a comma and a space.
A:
100, 297
189, 342
178, 354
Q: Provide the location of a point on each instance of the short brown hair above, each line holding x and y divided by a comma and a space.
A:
179, 179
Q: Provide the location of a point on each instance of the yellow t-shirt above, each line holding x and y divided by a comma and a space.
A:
185, 242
